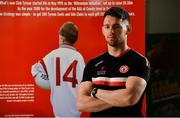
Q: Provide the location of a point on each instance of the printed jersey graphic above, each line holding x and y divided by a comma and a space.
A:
64, 69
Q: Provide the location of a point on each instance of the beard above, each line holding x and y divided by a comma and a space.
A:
115, 42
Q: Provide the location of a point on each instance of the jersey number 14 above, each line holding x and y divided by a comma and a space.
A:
66, 77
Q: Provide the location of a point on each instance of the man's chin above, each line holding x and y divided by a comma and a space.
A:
113, 45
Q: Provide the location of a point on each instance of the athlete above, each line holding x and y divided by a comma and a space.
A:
61, 71
114, 82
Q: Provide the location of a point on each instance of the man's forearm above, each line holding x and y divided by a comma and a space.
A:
91, 104
115, 98
124, 97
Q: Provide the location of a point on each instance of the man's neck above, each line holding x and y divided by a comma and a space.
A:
67, 46
117, 51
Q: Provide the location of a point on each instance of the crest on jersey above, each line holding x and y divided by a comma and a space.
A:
124, 69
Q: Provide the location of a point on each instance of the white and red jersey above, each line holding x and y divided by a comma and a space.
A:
63, 68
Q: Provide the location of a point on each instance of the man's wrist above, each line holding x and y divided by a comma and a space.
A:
94, 92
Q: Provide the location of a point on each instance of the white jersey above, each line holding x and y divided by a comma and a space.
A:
63, 69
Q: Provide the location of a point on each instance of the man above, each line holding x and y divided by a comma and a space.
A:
61, 71
114, 82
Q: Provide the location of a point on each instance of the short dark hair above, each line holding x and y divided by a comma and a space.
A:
70, 31
118, 12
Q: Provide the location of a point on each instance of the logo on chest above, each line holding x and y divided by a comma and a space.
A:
101, 71
123, 69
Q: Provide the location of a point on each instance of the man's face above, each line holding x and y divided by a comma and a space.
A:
115, 30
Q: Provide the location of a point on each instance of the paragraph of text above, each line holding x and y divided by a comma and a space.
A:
61, 8
17, 92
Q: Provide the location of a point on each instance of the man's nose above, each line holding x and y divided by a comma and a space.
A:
111, 30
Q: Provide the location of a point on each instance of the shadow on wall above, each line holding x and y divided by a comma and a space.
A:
163, 94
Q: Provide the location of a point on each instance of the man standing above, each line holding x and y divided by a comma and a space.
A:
114, 82
61, 71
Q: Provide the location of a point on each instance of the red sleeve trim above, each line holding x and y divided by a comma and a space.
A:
44, 66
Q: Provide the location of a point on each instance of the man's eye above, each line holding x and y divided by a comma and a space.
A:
117, 26
106, 26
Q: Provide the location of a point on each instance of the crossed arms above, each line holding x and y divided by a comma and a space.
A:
105, 99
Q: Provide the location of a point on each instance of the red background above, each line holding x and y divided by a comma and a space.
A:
25, 40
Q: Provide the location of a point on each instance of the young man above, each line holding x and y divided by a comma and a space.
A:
114, 82
61, 71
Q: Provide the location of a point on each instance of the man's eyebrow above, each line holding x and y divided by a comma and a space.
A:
105, 24
117, 24
113, 24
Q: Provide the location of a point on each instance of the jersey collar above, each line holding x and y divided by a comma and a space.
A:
67, 46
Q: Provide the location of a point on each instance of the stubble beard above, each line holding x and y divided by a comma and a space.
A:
115, 43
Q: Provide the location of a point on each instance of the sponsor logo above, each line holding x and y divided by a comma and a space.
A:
103, 68
124, 69
102, 71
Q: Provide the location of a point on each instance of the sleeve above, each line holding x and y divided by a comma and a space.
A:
40, 75
39, 67
143, 69
88, 70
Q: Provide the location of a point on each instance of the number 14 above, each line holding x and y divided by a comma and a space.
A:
71, 68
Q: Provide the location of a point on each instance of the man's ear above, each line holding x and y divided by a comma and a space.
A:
128, 26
